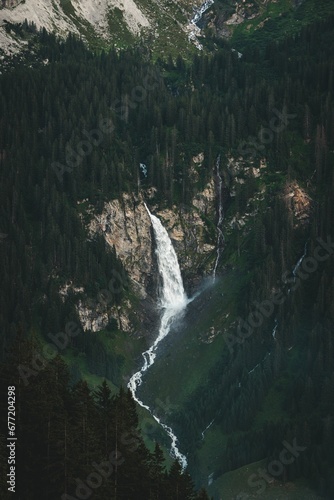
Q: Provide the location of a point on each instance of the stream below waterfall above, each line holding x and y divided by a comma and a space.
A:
220, 236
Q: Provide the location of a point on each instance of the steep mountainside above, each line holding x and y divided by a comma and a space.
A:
174, 27
100, 23
233, 154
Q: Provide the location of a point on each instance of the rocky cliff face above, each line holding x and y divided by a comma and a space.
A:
108, 21
229, 14
189, 232
298, 203
125, 225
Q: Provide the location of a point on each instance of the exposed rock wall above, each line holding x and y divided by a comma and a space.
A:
233, 13
126, 226
298, 202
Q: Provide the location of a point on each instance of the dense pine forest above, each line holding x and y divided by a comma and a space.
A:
74, 128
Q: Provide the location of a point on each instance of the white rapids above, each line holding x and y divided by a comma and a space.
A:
193, 30
220, 236
199, 12
173, 300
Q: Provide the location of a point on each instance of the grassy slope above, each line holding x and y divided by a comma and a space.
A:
130, 349
235, 482
186, 357
279, 20
165, 35
234, 486
119, 344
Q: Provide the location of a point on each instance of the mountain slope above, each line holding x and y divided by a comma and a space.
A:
101, 23
167, 26
242, 146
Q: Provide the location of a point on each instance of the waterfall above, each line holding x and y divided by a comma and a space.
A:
253, 369
199, 12
220, 236
194, 30
297, 266
173, 295
275, 329
172, 301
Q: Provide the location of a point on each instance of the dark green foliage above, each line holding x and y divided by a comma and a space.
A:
70, 438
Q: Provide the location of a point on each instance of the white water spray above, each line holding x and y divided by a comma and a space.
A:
173, 300
220, 236
199, 12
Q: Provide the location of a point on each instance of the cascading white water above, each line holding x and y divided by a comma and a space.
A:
220, 236
194, 30
275, 329
253, 369
299, 263
173, 300
199, 12
297, 266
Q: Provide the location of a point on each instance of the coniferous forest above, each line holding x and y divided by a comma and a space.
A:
75, 442
74, 127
